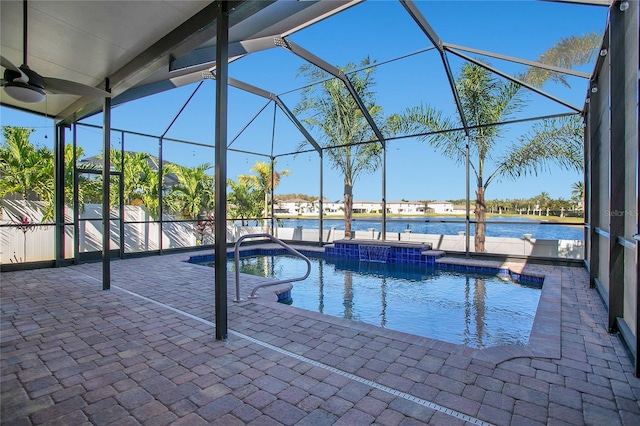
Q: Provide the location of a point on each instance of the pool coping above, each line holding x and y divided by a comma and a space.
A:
544, 340
516, 271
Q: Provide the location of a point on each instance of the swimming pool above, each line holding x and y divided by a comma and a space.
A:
476, 310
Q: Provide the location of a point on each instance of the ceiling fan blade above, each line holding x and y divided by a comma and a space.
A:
8, 65
66, 87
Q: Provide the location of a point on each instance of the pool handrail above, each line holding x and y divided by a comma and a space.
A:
270, 283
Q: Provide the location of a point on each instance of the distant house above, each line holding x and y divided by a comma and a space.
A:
462, 209
443, 207
366, 207
301, 207
280, 208
406, 207
333, 206
295, 206
304, 207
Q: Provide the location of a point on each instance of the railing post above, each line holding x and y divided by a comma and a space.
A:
290, 249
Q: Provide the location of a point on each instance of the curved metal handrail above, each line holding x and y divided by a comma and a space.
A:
270, 283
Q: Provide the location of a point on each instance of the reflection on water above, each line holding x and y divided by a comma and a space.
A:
383, 302
474, 310
262, 266
320, 287
347, 299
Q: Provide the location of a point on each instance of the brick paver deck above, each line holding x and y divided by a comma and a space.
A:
145, 353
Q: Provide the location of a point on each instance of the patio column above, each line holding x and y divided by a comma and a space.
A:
106, 180
593, 188
59, 197
384, 190
617, 98
467, 207
321, 218
220, 254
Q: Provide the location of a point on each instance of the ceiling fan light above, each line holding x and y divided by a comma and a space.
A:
24, 92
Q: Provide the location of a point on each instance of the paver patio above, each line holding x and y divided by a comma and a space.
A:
145, 352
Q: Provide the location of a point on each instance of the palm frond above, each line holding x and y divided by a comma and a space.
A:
340, 122
566, 53
557, 141
433, 128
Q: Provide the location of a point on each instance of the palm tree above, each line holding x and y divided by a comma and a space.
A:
26, 170
577, 194
565, 53
267, 181
140, 181
485, 100
244, 198
150, 189
136, 174
194, 191
88, 190
542, 202
334, 112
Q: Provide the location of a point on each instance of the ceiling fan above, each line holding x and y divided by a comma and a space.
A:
25, 85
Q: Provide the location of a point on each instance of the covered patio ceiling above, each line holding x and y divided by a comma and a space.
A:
139, 47
142, 48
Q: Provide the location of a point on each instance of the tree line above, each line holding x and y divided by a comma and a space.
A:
27, 173
541, 204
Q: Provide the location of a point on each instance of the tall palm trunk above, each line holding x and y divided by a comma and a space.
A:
266, 224
481, 225
348, 208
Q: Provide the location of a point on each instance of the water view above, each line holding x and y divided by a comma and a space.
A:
435, 225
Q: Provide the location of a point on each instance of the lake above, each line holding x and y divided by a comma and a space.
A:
516, 227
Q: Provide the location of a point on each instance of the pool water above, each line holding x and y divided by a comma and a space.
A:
470, 309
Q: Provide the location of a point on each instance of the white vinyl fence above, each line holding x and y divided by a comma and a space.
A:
31, 243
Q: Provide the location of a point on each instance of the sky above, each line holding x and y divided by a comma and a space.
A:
383, 31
